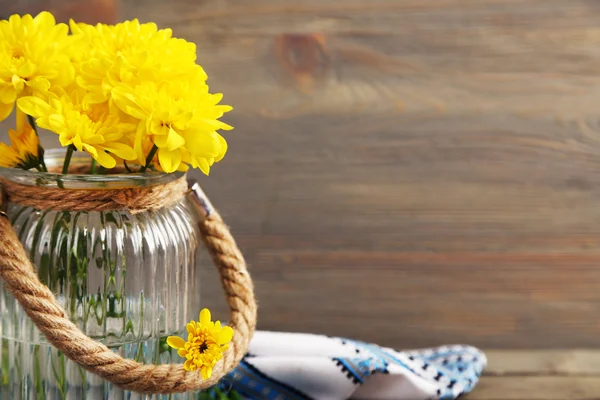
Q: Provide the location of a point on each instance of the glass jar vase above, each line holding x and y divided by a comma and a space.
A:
126, 279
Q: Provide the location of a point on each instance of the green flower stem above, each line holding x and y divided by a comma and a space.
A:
149, 158
127, 167
41, 157
31, 121
70, 151
93, 169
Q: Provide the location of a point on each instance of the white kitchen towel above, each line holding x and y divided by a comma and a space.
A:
282, 366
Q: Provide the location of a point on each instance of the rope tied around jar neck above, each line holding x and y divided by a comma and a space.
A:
41, 305
135, 200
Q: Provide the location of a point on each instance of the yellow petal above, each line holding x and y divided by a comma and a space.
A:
224, 147
206, 372
8, 157
127, 102
203, 165
57, 122
216, 98
191, 327
79, 145
183, 167
75, 27
137, 144
183, 120
203, 144
170, 141
26, 70
106, 160
175, 342
94, 98
21, 118
189, 366
18, 83
44, 20
34, 106
121, 150
205, 316
8, 95
14, 21
182, 352
5, 110
39, 84
169, 160
225, 335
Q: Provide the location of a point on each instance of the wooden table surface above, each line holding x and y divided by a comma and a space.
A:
540, 375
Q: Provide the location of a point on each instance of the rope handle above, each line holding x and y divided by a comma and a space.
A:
51, 319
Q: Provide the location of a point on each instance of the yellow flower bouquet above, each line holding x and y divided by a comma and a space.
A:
100, 236
124, 94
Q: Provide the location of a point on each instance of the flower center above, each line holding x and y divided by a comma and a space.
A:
17, 53
203, 347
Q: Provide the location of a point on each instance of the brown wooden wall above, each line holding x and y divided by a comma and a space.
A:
411, 172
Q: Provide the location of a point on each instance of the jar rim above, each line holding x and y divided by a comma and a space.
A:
54, 159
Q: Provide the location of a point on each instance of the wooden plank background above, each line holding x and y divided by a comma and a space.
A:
409, 172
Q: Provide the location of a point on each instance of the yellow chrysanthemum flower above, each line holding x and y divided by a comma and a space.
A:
180, 118
23, 151
33, 57
129, 53
91, 128
206, 343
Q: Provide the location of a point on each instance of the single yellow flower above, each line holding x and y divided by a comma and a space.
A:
203, 163
91, 128
130, 53
206, 343
181, 118
23, 151
33, 57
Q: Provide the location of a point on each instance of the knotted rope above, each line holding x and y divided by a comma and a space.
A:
51, 319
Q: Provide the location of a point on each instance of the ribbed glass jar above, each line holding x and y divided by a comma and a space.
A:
127, 280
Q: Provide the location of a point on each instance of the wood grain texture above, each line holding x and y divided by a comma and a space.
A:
537, 388
540, 374
410, 172
573, 362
